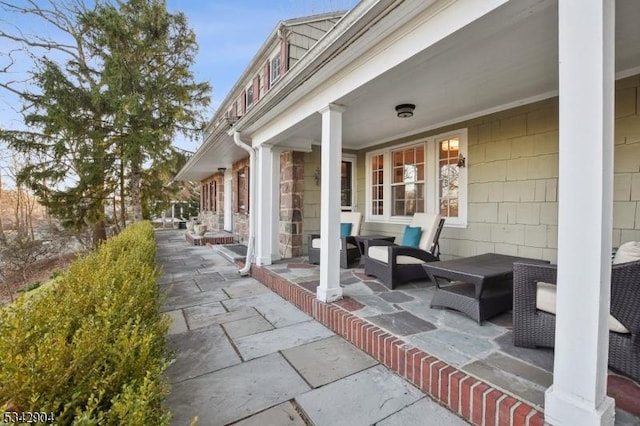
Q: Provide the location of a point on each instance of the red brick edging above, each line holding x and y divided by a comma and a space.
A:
472, 399
202, 241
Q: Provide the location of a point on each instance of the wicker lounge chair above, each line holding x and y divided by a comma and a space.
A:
396, 264
534, 327
349, 251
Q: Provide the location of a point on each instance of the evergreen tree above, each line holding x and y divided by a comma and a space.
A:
147, 54
106, 99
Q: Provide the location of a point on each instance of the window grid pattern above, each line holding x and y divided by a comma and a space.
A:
407, 186
377, 184
346, 184
249, 96
243, 191
275, 69
449, 173
214, 195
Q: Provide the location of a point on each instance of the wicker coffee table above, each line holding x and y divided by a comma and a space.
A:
480, 286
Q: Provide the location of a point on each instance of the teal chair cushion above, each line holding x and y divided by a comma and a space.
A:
411, 236
345, 229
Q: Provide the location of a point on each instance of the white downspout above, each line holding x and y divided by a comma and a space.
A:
251, 247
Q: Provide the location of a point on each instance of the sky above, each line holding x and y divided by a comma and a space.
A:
228, 33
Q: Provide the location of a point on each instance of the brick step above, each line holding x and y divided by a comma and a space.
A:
211, 239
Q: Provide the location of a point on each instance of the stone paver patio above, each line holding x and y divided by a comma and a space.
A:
483, 351
244, 355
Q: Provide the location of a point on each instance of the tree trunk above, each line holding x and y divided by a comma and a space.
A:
123, 208
115, 214
136, 203
99, 233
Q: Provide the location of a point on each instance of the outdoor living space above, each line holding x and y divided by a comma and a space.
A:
482, 351
484, 116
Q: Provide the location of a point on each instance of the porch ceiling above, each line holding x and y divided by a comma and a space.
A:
506, 58
223, 153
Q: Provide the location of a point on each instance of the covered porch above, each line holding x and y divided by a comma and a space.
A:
534, 178
474, 370
541, 99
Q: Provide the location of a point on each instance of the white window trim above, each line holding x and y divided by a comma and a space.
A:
271, 79
463, 181
431, 181
246, 96
351, 158
261, 89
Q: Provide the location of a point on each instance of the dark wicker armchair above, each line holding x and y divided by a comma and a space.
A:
533, 327
395, 264
349, 251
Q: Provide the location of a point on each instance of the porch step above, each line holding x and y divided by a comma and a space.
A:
222, 238
232, 252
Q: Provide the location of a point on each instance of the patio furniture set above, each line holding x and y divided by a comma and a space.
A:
488, 284
534, 308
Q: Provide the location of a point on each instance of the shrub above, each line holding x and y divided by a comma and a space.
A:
55, 274
91, 349
31, 286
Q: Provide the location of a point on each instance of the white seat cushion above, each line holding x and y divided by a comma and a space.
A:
381, 253
627, 252
546, 297
315, 243
546, 301
429, 224
408, 260
354, 218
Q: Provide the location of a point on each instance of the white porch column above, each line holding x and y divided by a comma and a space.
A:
275, 192
266, 205
329, 288
586, 83
228, 197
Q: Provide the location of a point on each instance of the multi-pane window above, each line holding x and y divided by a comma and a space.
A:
377, 184
407, 186
203, 196
243, 190
275, 69
209, 195
346, 185
421, 176
206, 197
214, 195
449, 172
249, 96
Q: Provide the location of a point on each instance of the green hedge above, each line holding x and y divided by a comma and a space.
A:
91, 348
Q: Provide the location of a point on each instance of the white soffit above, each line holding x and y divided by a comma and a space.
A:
505, 58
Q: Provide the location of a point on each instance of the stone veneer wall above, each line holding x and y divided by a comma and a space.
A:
240, 219
292, 185
214, 219
513, 180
